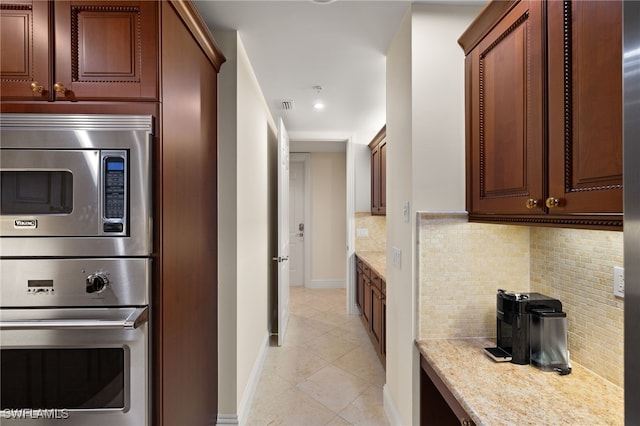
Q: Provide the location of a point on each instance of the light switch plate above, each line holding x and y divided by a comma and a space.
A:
362, 232
396, 256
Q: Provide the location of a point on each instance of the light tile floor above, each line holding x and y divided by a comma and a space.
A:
326, 373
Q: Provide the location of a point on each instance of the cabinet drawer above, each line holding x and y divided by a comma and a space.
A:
366, 270
378, 282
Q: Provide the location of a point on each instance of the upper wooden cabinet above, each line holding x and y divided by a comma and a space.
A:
585, 106
378, 148
544, 113
78, 50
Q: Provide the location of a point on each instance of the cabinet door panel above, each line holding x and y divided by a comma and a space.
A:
508, 113
24, 50
383, 177
376, 317
106, 50
367, 301
585, 106
375, 181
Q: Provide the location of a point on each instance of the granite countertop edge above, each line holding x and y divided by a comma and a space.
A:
377, 261
506, 394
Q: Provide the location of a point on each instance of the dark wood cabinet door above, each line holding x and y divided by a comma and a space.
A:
507, 137
106, 50
376, 316
383, 337
585, 106
367, 302
378, 147
24, 50
383, 178
375, 180
359, 284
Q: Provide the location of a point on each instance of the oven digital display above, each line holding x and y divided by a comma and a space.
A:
39, 283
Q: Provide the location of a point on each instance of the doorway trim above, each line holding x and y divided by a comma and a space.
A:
309, 140
304, 158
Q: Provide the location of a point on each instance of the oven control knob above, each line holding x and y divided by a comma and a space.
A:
97, 282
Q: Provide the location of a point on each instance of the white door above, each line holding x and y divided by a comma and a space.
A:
283, 232
296, 223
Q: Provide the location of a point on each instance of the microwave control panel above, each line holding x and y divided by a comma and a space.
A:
114, 187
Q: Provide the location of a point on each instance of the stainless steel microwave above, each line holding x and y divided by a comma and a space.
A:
75, 185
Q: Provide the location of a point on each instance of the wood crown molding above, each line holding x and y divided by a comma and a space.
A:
378, 137
484, 22
193, 20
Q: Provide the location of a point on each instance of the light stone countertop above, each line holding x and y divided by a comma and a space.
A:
377, 260
503, 393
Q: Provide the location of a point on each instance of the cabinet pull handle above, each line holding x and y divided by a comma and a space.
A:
37, 87
532, 203
59, 88
552, 202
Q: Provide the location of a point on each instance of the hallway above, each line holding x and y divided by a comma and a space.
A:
327, 372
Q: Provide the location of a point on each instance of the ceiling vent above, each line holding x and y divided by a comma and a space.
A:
287, 104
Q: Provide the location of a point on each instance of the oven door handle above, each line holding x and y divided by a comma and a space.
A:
133, 320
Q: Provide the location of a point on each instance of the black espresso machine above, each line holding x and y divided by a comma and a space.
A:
513, 318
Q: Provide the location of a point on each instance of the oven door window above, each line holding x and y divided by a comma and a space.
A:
36, 192
67, 378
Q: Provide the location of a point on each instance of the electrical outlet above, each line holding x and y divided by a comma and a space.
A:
618, 281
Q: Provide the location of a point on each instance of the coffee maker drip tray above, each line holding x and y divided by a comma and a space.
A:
498, 354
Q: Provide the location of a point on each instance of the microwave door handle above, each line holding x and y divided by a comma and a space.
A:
134, 320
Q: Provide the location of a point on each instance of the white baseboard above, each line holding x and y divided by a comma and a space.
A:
254, 378
227, 419
250, 390
326, 284
390, 408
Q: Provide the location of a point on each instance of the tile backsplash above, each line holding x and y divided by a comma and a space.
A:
576, 266
376, 227
462, 264
461, 267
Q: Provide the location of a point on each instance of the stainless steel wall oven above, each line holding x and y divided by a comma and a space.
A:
75, 269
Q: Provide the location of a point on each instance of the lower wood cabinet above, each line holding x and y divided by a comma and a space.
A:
438, 406
371, 299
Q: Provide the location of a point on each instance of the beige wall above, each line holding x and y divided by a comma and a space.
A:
328, 185
244, 126
400, 295
425, 166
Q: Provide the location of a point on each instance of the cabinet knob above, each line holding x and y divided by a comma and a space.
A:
59, 88
37, 87
532, 203
552, 202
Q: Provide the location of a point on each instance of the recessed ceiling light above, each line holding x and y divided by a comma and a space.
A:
318, 105
323, 1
